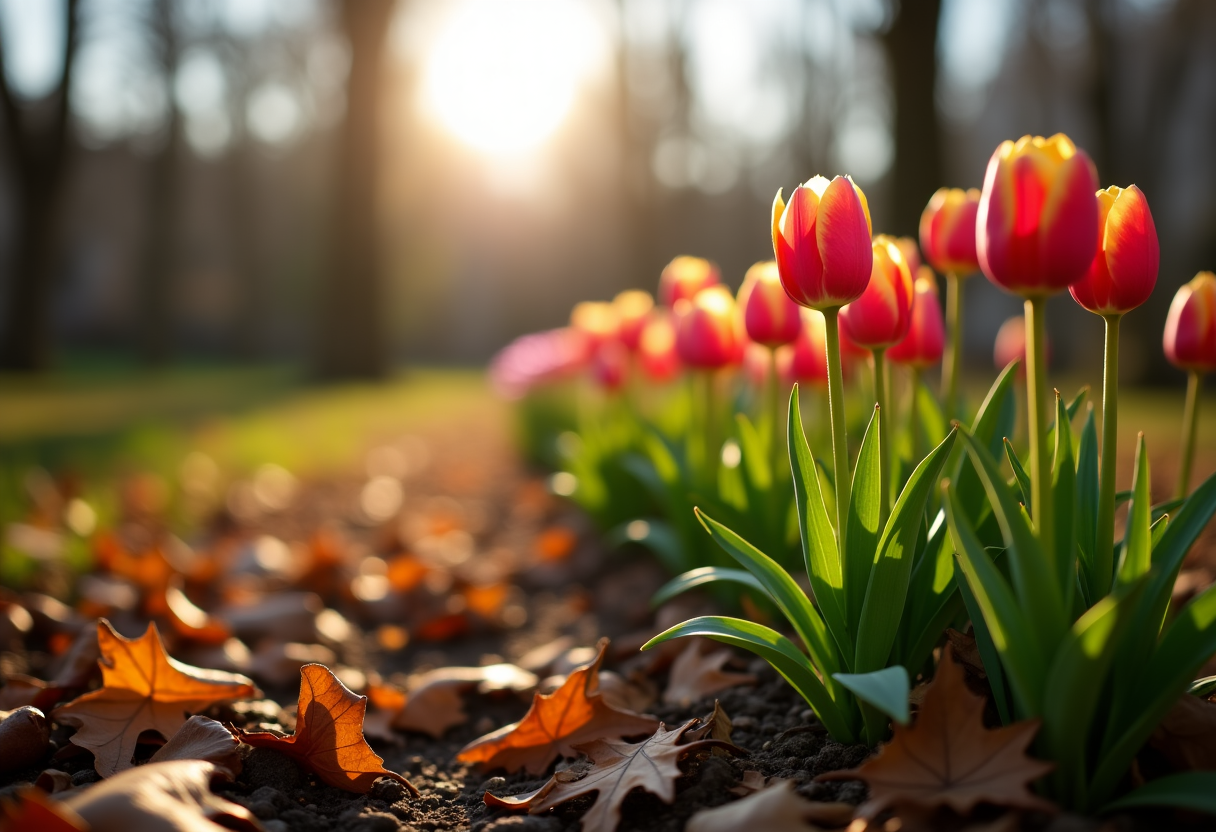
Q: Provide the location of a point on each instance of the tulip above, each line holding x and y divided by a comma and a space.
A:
1120, 278
922, 346
709, 331
1190, 344
633, 309
911, 252
771, 318
809, 357
657, 348
684, 277
610, 365
1036, 229
948, 236
1010, 344
822, 245
597, 322
535, 359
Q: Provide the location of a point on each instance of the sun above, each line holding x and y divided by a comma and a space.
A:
502, 75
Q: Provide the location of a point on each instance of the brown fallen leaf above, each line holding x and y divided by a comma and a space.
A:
203, 739
777, 808
633, 693
77, 665
752, 781
718, 725
557, 722
618, 767
142, 689
695, 676
24, 737
1187, 735
329, 737
434, 702
948, 758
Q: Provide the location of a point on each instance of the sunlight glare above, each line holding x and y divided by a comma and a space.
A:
503, 74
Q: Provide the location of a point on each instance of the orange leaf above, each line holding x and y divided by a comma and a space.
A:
329, 737
574, 713
142, 689
32, 810
948, 758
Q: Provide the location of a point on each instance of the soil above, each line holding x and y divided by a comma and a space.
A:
579, 592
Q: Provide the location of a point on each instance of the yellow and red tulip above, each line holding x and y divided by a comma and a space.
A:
880, 317
1190, 327
657, 347
709, 330
770, 317
596, 322
1124, 270
947, 231
911, 252
684, 277
633, 308
809, 358
821, 241
926, 339
1037, 221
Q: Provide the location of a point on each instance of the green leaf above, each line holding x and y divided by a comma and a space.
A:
818, 537
700, 577
1194, 790
754, 459
933, 602
1203, 688
932, 420
988, 652
865, 507
1167, 507
1184, 529
778, 651
1157, 530
1087, 502
1064, 505
1137, 550
993, 421
888, 588
886, 689
1070, 410
1019, 473
786, 594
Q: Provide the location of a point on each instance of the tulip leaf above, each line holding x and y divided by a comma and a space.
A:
1137, 550
1064, 506
1020, 477
989, 655
656, 535
933, 602
1070, 410
886, 689
1087, 503
933, 422
865, 504
993, 421
701, 576
1194, 790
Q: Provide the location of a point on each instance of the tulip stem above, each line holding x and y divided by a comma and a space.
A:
774, 415
840, 447
713, 445
1190, 424
1036, 411
914, 418
952, 367
1104, 544
884, 436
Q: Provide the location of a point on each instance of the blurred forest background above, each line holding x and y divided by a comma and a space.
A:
347, 185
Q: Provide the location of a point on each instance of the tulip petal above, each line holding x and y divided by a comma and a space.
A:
1068, 229
843, 236
1133, 254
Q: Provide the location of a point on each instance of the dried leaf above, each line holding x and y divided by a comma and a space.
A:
329, 735
695, 676
618, 768
76, 666
434, 701
948, 758
54, 781
32, 810
1187, 735
776, 809
25, 738
753, 781
718, 725
557, 722
143, 689
635, 693
203, 739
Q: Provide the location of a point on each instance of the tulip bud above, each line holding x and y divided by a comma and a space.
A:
684, 277
657, 348
757, 359
610, 365
770, 316
1011, 344
911, 253
709, 331
1038, 217
596, 321
923, 345
633, 310
821, 241
1190, 327
1124, 270
880, 317
947, 231
809, 359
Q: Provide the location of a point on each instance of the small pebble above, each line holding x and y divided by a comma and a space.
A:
807, 715
767, 745
495, 783
745, 723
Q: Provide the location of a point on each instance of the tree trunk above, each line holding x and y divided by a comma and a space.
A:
912, 48
351, 340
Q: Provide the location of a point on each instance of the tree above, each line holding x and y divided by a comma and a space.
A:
36, 143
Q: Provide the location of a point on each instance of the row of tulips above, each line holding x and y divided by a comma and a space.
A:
935, 521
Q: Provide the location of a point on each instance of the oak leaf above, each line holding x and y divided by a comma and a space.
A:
143, 689
618, 767
329, 737
694, 676
557, 722
948, 758
777, 808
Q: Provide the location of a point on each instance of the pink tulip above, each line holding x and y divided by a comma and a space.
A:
880, 317
923, 345
684, 277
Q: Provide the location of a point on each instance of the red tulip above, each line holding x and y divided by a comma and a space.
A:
657, 348
947, 231
822, 242
709, 329
809, 359
770, 316
1124, 270
633, 309
1038, 217
1011, 344
911, 252
880, 317
684, 277
923, 345
1190, 327
610, 365
596, 321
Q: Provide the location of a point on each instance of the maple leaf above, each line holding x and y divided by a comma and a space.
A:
948, 758
695, 676
143, 689
574, 713
329, 737
618, 767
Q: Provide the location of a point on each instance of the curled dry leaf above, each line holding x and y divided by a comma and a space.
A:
618, 767
24, 738
329, 737
143, 689
695, 676
203, 739
777, 808
574, 713
948, 758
